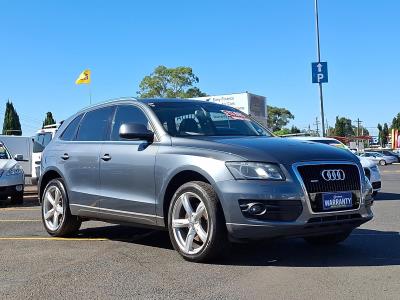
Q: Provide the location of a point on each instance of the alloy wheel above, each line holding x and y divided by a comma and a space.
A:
53, 211
190, 223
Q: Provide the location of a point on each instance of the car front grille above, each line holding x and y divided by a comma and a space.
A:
316, 185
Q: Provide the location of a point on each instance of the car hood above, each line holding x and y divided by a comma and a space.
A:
270, 149
6, 164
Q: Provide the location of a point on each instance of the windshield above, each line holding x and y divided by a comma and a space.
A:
3, 152
205, 119
41, 140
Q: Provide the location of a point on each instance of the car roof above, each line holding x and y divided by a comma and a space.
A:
144, 101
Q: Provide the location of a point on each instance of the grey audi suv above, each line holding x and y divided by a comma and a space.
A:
207, 173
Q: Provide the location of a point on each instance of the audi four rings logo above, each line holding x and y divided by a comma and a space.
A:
333, 175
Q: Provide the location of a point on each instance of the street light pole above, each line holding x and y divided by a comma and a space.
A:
319, 60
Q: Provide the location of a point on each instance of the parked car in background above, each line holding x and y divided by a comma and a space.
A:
386, 152
373, 174
207, 173
379, 158
12, 179
20, 145
41, 139
370, 167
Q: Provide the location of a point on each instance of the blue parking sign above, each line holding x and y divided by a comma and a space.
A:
319, 72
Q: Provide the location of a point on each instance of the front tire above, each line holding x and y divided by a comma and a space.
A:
329, 239
56, 215
196, 223
382, 162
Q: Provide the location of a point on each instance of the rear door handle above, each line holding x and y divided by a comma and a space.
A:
65, 156
106, 157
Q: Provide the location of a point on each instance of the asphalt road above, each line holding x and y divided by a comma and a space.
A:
112, 261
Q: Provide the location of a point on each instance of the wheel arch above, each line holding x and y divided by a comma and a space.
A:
46, 178
179, 178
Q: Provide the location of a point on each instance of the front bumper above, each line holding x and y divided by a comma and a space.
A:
11, 185
9, 191
307, 223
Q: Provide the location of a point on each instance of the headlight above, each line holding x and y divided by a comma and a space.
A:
16, 170
255, 170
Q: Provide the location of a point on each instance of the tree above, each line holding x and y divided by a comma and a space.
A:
379, 133
49, 120
396, 122
11, 124
278, 117
294, 129
282, 131
385, 134
170, 83
343, 127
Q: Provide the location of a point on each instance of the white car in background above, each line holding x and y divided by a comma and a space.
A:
380, 158
370, 167
372, 172
12, 178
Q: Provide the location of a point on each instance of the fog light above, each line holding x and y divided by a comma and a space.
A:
19, 188
256, 209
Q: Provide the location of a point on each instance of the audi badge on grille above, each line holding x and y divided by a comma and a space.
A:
333, 175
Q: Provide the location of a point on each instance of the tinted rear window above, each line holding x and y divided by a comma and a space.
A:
95, 125
70, 132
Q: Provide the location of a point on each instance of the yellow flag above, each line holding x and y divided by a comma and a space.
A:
84, 77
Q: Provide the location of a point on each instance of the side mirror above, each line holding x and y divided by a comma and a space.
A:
18, 157
135, 131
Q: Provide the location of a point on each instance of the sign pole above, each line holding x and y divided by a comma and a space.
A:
319, 60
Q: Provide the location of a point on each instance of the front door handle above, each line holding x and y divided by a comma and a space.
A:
106, 157
65, 156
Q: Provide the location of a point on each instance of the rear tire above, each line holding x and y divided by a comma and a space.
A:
329, 239
17, 198
56, 215
196, 222
382, 162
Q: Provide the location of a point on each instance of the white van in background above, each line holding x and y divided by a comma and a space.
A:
41, 139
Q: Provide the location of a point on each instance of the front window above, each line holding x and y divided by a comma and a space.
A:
41, 140
205, 119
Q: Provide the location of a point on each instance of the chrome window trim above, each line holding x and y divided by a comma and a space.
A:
315, 163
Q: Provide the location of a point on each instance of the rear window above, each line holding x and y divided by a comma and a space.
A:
95, 125
70, 132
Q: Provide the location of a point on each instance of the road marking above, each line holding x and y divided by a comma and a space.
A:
394, 171
18, 208
376, 234
26, 220
21, 238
